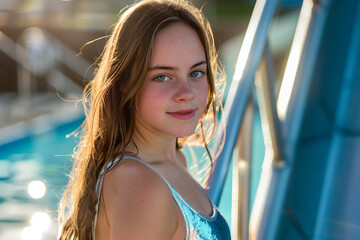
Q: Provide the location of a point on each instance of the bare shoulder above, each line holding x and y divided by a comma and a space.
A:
131, 176
137, 198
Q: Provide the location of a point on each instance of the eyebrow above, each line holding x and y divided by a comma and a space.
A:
173, 68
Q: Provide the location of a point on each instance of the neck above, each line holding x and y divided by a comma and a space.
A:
155, 148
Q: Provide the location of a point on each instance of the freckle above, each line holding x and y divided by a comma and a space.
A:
144, 184
136, 179
141, 200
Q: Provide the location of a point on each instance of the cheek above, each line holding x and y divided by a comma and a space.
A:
141, 103
148, 101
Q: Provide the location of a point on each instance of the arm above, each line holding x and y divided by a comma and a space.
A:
138, 203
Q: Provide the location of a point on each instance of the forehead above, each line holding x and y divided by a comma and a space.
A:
175, 44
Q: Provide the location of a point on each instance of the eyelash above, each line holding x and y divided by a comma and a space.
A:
201, 72
157, 77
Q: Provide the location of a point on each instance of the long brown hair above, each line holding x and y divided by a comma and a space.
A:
110, 111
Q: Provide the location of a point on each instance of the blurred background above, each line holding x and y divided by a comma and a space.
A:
291, 166
44, 65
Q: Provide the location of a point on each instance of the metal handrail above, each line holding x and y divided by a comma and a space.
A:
265, 86
247, 63
30, 65
10, 48
240, 204
69, 57
270, 195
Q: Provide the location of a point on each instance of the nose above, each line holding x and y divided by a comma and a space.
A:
184, 91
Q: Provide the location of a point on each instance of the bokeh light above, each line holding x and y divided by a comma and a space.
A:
36, 189
31, 233
41, 221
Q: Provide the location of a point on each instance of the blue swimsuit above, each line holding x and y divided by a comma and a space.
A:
198, 226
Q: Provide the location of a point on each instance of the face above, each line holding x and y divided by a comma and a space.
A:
174, 94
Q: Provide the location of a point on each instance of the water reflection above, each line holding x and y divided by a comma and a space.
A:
40, 223
36, 189
31, 233
32, 179
41, 220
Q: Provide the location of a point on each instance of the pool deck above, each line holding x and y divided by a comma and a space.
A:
42, 112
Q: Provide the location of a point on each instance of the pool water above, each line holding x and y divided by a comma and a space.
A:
33, 175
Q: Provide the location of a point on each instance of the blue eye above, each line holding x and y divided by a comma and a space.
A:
196, 74
162, 78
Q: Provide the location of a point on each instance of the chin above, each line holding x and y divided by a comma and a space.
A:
185, 134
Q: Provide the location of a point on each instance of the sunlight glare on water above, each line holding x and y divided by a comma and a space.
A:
31, 233
36, 189
41, 220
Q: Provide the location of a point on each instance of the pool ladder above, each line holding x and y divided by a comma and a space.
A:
255, 66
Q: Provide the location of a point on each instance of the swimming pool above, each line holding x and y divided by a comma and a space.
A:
33, 174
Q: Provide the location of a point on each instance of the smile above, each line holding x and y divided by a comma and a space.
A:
183, 114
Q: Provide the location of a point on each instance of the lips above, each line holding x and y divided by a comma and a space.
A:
183, 114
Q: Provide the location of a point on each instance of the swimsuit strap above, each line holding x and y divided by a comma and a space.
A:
101, 178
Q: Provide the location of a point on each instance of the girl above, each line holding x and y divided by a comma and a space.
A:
154, 91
